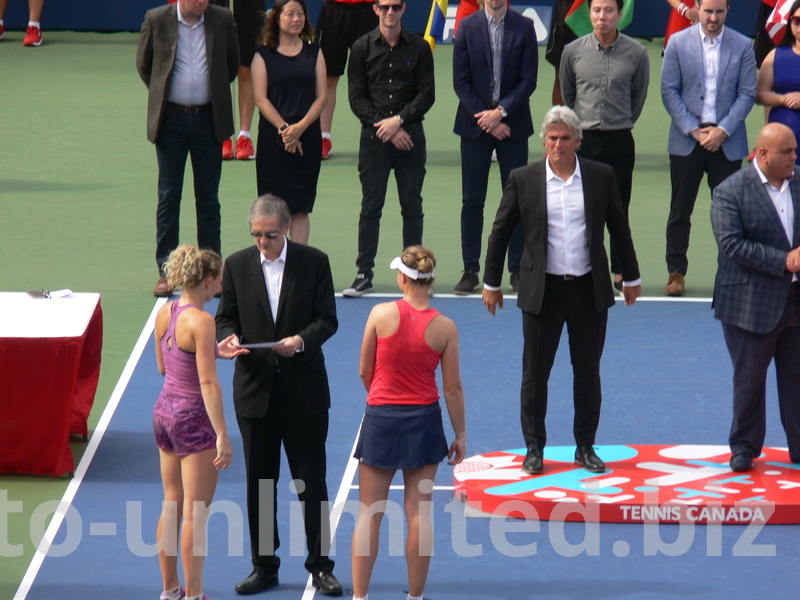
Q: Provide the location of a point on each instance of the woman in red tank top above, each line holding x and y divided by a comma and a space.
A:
404, 343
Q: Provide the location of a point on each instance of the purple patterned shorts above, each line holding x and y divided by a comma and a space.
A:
181, 425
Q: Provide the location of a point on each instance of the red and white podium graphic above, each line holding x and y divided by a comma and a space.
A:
642, 484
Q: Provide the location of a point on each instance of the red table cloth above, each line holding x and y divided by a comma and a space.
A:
49, 369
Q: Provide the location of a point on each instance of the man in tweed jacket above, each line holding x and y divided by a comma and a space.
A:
755, 215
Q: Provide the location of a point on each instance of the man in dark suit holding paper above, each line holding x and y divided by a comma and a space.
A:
279, 291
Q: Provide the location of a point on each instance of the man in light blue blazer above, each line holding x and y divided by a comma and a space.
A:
755, 215
708, 86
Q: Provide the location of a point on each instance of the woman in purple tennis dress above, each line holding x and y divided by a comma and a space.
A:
779, 78
188, 420
290, 90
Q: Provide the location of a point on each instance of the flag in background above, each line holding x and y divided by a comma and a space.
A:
435, 29
465, 9
578, 17
776, 23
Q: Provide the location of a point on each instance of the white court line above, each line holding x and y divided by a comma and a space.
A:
477, 296
436, 488
88, 455
338, 504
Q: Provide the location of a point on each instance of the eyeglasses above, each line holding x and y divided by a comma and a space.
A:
270, 235
385, 8
795, 21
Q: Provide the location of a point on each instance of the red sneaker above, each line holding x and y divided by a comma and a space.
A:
227, 150
2, 32
326, 148
244, 148
33, 37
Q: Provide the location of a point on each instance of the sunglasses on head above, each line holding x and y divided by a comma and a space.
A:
385, 8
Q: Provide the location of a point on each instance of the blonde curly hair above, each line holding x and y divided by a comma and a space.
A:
187, 266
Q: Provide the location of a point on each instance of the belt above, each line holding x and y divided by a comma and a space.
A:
707, 124
189, 110
564, 277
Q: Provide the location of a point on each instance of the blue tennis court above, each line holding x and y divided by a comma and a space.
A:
666, 379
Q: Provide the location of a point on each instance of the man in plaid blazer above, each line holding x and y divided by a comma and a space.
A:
755, 215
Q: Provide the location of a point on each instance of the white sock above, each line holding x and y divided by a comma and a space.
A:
357, 598
410, 597
172, 594
1, 23
34, 24
200, 597
244, 133
327, 134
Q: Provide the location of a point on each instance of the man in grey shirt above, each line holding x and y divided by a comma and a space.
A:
604, 79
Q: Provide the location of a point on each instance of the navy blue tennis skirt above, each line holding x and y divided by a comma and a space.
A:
407, 436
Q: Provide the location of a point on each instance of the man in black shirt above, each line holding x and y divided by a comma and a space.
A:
391, 87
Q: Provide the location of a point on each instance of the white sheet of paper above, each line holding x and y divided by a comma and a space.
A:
260, 345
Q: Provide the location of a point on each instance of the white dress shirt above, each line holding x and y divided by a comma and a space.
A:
711, 68
567, 242
190, 83
782, 199
273, 278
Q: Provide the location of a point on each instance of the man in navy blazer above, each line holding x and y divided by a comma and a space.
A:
708, 86
755, 215
495, 63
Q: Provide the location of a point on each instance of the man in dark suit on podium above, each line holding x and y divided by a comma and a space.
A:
495, 64
279, 291
755, 215
187, 57
564, 204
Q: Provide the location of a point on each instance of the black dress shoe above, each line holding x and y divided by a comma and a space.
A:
533, 462
258, 581
586, 457
327, 583
741, 462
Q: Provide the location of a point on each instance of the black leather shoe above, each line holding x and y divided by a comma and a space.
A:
533, 463
258, 581
586, 457
327, 583
741, 462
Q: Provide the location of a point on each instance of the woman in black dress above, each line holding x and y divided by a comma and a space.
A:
289, 85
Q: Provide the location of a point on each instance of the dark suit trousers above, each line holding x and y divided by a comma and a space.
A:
476, 160
617, 149
182, 135
570, 302
751, 354
303, 437
686, 173
376, 160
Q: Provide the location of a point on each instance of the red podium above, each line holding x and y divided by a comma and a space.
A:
49, 368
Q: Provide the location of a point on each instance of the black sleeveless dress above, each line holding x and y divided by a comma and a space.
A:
292, 90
